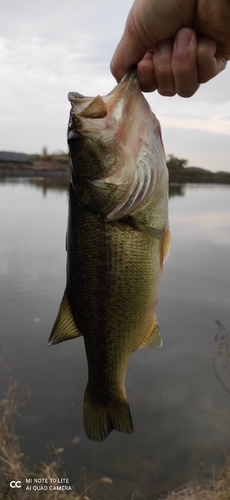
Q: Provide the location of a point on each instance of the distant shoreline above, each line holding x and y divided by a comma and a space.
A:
40, 168
60, 170
211, 178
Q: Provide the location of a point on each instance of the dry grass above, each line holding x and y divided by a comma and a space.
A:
213, 489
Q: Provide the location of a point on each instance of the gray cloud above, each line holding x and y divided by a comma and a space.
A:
50, 47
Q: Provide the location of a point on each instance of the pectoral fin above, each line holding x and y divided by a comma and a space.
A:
152, 231
64, 327
165, 246
153, 339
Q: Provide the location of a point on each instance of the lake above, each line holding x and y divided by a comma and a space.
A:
180, 410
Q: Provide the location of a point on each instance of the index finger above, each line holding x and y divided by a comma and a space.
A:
127, 53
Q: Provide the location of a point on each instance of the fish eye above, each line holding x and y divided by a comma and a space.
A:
73, 139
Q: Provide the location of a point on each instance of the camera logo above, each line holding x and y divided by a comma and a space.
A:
15, 484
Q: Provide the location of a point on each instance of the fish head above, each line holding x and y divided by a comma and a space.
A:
115, 144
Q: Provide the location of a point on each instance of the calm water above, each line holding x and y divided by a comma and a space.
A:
181, 413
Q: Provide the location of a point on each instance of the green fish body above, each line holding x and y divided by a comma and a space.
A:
117, 241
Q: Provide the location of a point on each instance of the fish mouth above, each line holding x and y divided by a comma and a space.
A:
134, 132
111, 106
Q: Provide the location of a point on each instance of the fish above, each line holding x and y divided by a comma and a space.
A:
117, 240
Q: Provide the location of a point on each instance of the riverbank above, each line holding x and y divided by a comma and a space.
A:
38, 168
190, 175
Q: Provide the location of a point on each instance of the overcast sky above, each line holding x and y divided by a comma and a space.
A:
51, 47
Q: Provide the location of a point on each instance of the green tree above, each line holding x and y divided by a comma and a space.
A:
45, 151
174, 163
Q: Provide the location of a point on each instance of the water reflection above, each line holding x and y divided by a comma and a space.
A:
176, 190
47, 184
180, 411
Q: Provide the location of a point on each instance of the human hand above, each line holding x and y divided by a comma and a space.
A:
176, 44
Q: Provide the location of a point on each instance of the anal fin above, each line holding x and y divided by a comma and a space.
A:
153, 339
64, 327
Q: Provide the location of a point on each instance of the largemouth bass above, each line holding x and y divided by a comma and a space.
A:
117, 241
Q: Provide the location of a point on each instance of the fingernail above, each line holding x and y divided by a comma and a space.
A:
183, 39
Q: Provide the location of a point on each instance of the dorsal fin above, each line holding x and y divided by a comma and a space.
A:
64, 327
153, 339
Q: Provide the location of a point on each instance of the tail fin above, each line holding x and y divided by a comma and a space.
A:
100, 420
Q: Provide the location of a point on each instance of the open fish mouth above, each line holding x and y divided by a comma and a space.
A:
125, 116
110, 104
